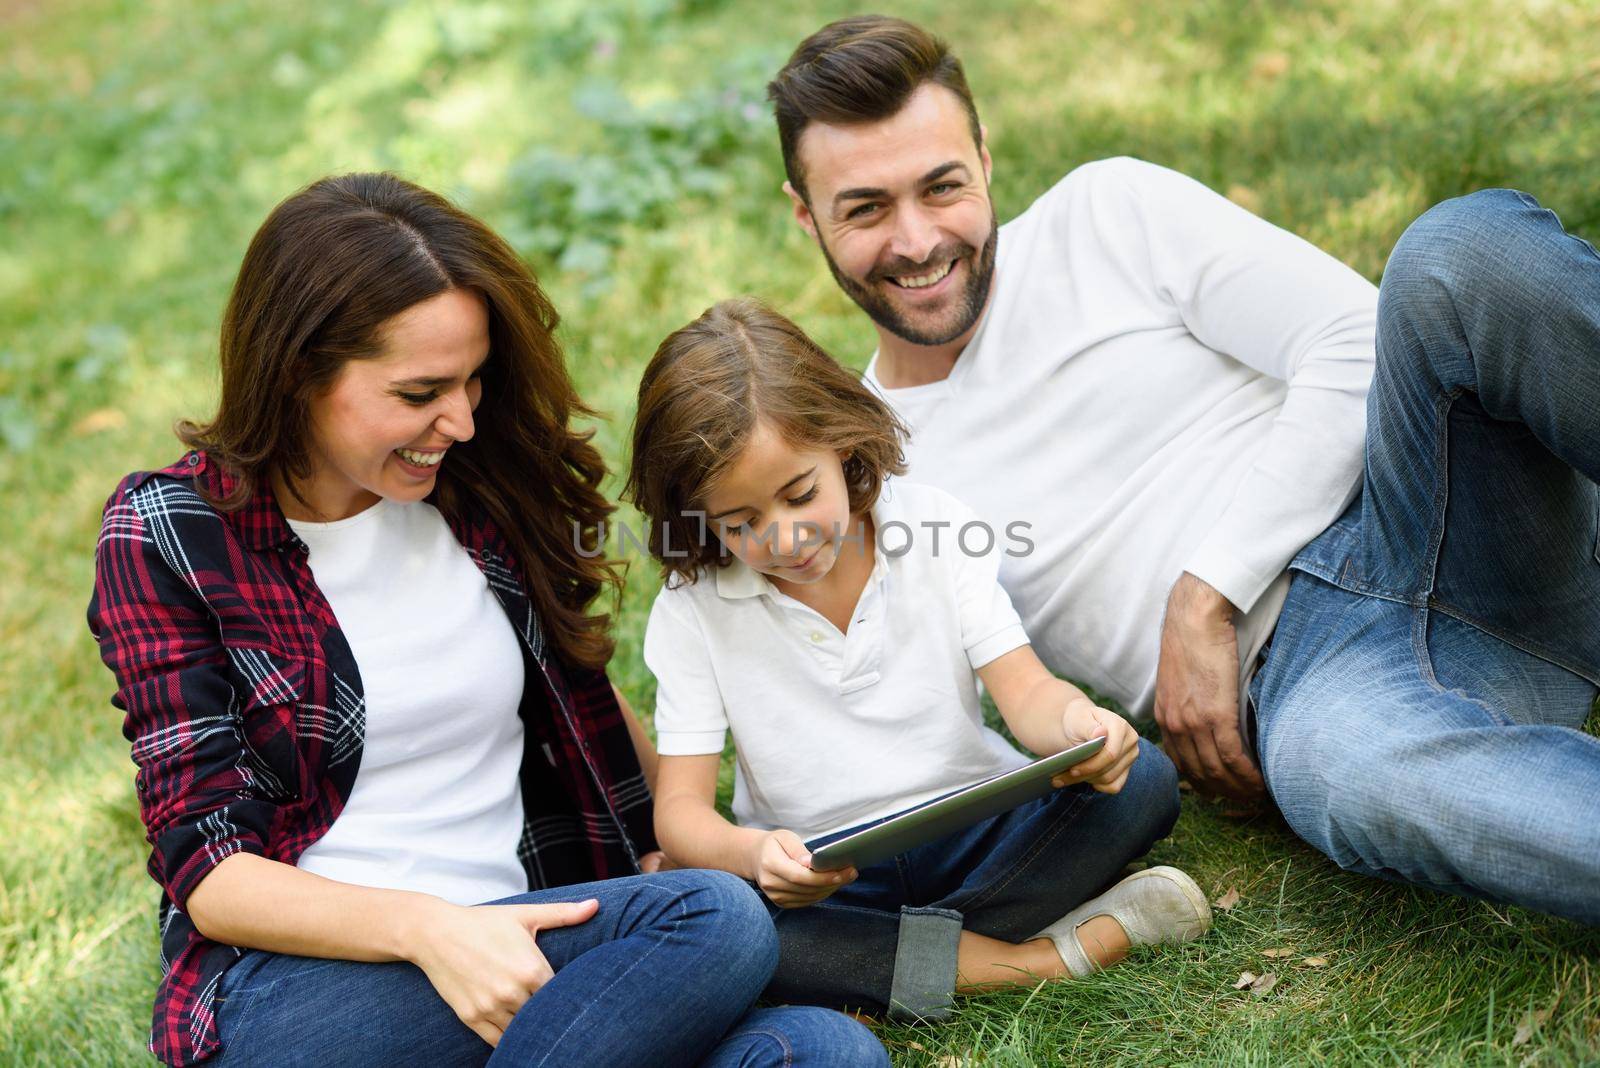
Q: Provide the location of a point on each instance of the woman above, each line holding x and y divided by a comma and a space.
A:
352, 635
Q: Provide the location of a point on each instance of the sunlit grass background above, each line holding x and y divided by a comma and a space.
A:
624, 148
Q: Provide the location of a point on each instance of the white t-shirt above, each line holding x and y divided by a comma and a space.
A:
437, 805
1162, 383
836, 729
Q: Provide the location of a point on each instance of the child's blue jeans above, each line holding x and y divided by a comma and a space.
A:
888, 940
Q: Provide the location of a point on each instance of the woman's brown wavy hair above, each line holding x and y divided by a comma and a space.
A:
329, 266
700, 399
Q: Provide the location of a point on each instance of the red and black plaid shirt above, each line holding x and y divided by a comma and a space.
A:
244, 706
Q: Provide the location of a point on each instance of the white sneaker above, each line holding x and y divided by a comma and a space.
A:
1156, 905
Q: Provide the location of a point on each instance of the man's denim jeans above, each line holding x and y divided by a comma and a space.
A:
888, 940
1419, 706
664, 974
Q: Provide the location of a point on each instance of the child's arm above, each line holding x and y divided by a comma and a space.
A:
1048, 714
695, 835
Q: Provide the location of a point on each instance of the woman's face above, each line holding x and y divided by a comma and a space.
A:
782, 510
384, 427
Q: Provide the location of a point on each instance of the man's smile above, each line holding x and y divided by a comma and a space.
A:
923, 281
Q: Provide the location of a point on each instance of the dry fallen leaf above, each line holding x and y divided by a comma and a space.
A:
1280, 951
1530, 1023
1227, 900
1259, 985
1315, 962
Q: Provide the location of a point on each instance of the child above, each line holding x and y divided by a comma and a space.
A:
834, 622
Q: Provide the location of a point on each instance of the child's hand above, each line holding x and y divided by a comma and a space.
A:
784, 874
1107, 770
656, 861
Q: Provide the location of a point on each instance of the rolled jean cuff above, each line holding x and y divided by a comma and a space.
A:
924, 982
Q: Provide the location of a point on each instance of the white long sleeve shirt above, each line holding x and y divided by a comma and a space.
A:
1162, 383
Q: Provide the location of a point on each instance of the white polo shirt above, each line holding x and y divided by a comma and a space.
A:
837, 729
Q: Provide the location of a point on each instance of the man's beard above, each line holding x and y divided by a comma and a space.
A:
970, 303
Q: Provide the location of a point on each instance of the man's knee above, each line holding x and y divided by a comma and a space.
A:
1465, 257
1458, 243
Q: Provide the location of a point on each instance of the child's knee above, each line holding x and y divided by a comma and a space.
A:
1152, 791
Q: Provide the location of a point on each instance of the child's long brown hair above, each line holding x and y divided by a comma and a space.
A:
326, 269
708, 386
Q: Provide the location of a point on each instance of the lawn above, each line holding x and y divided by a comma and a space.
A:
624, 148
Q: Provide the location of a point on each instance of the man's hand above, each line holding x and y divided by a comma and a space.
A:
1197, 692
783, 871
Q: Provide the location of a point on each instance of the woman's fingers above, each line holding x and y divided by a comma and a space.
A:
557, 914
488, 1032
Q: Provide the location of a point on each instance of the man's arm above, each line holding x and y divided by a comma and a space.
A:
1276, 303
1281, 306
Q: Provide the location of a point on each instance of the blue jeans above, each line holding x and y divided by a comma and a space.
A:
664, 974
1418, 710
888, 940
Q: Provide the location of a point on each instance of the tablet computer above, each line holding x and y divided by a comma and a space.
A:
944, 815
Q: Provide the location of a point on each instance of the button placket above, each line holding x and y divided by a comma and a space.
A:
863, 644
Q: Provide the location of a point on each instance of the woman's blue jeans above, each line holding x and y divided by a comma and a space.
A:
1419, 707
664, 974
888, 940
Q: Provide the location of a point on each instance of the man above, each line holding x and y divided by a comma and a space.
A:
1174, 394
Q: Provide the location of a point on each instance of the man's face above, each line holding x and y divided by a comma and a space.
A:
901, 210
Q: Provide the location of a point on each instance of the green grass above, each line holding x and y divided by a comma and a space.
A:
617, 144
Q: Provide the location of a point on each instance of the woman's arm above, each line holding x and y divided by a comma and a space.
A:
695, 834
1047, 714
482, 960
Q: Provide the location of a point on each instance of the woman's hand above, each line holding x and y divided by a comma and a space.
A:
483, 960
783, 871
1107, 770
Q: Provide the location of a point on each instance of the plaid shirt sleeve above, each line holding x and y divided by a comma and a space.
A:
174, 684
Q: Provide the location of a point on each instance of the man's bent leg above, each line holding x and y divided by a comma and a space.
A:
1483, 431
1390, 773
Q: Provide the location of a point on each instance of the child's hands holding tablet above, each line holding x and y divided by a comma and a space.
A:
1107, 770
783, 871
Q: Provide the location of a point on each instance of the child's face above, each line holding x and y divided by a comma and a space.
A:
782, 510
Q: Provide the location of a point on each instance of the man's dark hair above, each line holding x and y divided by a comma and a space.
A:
859, 69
